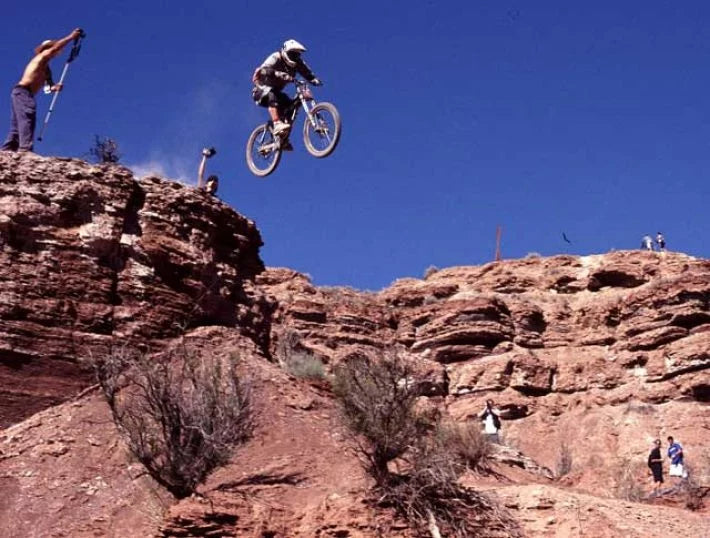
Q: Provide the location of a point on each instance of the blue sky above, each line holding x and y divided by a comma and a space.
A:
458, 116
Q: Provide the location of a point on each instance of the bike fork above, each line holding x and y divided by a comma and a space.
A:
309, 114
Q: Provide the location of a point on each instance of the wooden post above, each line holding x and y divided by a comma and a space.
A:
499, 232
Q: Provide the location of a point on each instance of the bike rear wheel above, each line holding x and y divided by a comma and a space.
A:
320, 140
263, 151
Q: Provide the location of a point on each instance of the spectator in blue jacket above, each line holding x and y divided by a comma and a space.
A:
675, 454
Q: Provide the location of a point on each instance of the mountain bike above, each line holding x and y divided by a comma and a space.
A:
321, 132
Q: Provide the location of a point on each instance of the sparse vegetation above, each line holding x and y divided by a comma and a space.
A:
564, 461
430, 299
627, 485
181, 413
431, 270
694, 493
105, 150
346, 295
295, 359
377, 399
378, 402
640, 408
306, 366
465, 442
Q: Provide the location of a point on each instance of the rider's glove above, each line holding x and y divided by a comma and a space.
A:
316, 82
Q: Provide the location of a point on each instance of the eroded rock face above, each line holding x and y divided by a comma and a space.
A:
597, 354
546, 338
618, 319
90, 258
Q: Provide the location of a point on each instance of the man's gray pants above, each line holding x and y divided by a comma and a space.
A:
22, 120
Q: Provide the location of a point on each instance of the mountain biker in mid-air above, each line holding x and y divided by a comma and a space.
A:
272, 76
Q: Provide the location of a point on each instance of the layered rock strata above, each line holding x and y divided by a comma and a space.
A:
91, 258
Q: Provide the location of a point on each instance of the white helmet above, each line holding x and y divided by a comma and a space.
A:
290, 51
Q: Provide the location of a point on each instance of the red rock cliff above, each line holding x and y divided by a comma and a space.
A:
91, 257
599, 354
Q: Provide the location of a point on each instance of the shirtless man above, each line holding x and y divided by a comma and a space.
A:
24, 107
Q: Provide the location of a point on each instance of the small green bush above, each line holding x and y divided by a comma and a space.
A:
305, 366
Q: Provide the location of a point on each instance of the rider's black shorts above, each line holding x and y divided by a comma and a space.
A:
277, 99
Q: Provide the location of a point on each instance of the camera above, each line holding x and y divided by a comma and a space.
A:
209, 152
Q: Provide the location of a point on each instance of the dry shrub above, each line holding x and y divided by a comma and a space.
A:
693, 492
464, 442
430, 497
105, 150
378, 402
627, 486
377, 399
695, 496
430, 271
564, 461
181, 413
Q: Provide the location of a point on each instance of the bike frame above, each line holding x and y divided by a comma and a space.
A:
303, 99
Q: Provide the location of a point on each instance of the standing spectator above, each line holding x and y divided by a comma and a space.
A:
661, 242
491, 421
655, 464
24, 107
675, 454
647, 242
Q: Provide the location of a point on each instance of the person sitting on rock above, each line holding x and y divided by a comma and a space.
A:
491, 421
655, 465
647, 242
210, 187
675, 454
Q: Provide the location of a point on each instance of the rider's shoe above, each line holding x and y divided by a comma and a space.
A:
287, 146
280, 127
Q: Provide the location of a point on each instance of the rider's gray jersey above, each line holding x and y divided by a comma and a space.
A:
275, 73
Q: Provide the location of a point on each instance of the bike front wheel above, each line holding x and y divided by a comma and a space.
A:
320, 139
263, 151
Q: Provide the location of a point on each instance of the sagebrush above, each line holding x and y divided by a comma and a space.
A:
378, 401
464, 442
564, 461
306, 366
181, 413
297, 360
627, 486
693, 491
105, 150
